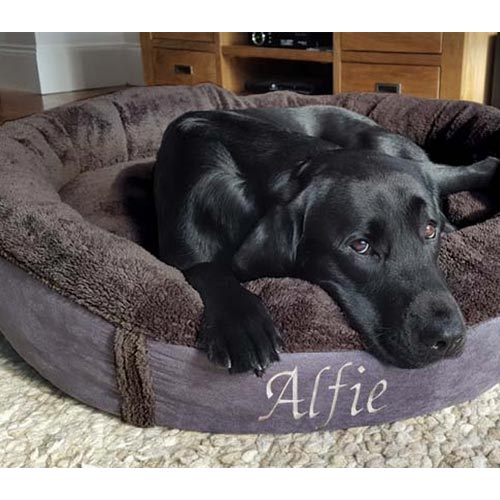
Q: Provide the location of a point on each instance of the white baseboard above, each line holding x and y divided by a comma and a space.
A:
18, 68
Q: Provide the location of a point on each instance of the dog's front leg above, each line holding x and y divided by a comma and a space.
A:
479, 175
236, 331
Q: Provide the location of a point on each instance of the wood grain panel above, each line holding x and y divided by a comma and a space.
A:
426, 43
420, 81
337, 63
451, 65
249, 51
392, 58
190, 36
147, 58
477, 69
183, 45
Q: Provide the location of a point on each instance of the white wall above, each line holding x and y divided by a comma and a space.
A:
72, 61
18, 66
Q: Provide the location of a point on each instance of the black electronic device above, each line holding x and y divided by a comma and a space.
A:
316, 41
304, 86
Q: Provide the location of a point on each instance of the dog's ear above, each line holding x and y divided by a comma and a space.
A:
270, 248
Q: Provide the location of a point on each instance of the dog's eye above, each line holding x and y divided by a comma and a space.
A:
430, 231
360, 246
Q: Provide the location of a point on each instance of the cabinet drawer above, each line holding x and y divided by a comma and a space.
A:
426, 43
420, 81
191, 37
182, 67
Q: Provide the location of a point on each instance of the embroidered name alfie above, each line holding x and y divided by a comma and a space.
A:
291, 385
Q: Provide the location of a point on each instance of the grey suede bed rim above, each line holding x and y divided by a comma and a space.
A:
304, 392
133, 375
107, 274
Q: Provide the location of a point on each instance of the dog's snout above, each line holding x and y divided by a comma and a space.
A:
440, 330
447, 342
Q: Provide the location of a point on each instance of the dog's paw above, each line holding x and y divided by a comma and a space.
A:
240, 335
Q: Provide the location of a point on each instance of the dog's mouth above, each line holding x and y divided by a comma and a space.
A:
418, 341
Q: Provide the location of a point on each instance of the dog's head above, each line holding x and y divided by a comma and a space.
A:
372, 231
367, 228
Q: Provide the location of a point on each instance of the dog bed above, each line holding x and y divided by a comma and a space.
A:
86, 303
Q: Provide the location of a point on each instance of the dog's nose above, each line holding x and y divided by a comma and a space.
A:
438, 325
448, 342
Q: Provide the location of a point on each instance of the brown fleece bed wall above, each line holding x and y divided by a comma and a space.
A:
77, 242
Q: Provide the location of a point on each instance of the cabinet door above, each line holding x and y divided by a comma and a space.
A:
425, 43
183, 67
419, 81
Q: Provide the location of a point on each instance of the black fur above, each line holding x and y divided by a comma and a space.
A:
294, 192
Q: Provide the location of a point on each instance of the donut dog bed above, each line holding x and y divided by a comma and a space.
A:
85, 302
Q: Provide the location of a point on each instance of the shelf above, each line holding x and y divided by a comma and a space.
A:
248, 51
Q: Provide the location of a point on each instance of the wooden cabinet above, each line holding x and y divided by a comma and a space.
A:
436, 65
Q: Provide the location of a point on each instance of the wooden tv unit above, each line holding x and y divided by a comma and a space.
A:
436, 65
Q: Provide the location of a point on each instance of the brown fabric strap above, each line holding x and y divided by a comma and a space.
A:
134, 377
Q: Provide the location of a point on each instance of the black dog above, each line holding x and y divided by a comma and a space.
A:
318, 193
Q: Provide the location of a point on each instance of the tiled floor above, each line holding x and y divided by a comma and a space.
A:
15, 104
